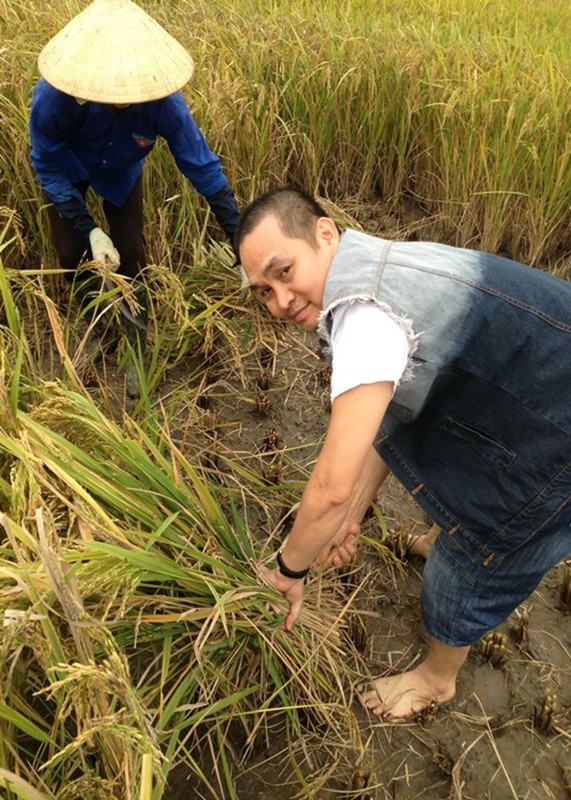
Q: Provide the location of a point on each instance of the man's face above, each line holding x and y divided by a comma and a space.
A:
289, 274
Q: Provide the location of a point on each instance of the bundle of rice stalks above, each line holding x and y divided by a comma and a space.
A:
136, 626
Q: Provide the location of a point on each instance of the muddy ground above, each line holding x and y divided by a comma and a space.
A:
506, 735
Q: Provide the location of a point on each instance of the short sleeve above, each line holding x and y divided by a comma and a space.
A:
367, 345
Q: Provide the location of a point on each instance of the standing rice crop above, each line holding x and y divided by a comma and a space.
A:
137, 626
464, 113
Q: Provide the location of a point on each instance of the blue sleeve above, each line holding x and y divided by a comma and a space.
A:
223, 204
187, 144
53, 118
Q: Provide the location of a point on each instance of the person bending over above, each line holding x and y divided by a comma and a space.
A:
450, 368
109, 89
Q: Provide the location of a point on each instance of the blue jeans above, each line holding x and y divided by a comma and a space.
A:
463, 597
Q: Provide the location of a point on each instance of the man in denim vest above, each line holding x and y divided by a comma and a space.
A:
451, 368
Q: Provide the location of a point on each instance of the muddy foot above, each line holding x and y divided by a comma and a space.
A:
416, 544
405, 696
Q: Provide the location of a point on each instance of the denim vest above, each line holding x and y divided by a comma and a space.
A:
479, 429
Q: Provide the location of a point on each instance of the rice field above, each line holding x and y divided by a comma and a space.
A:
136, 640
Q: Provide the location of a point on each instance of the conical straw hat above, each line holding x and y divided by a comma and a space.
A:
114, 52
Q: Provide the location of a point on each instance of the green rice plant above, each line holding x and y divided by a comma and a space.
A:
46, 331
16, 293
18, 186
153, 630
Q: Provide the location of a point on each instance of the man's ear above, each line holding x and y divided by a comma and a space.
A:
326, 231
245, 281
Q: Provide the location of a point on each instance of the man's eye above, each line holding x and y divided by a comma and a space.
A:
285, 272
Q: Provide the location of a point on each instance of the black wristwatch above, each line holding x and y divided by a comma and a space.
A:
286, 571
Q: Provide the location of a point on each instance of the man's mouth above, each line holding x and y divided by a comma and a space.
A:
299, 314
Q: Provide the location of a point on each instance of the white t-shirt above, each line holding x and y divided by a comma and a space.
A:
367, 346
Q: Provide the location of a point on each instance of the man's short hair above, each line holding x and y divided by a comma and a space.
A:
295, 210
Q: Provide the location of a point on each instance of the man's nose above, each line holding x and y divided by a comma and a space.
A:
284, 297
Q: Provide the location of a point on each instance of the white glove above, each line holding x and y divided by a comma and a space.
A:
103, 249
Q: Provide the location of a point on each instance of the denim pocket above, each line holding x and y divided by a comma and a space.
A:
486, 444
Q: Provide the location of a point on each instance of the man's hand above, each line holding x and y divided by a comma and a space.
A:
343, 547
103, 249
291, 588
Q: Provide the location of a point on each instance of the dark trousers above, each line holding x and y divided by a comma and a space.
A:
125, 229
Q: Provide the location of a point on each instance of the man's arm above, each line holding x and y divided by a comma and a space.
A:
344, 545
54, 117
342, 477
197, 162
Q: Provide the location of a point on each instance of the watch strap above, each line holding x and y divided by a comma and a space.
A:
286, 571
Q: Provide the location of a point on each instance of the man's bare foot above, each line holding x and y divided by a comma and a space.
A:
421, 545
406, 695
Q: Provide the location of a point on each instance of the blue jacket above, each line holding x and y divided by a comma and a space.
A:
103, 146
479, 431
